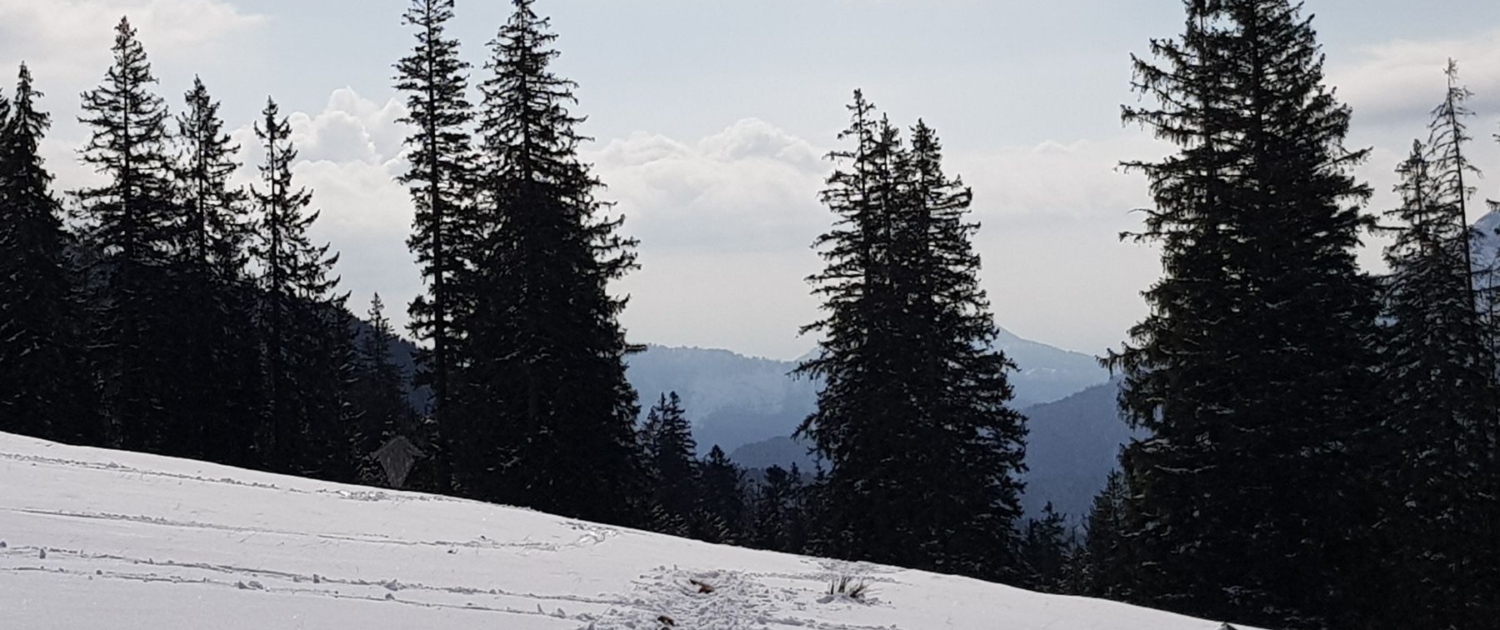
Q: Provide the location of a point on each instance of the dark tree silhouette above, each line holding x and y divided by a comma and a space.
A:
304, 328
131, 222
553, 416
441, 177
213, 303
1254, 372
43, 387
670, 452
907, 360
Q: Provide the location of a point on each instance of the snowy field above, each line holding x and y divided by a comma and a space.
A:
103, 540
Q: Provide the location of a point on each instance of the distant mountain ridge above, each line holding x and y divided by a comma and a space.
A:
750, 406
731, 399
736, 400
1074, 444
1048, 373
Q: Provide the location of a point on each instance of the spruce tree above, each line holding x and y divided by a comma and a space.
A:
670, 451
813, 506
907, 359
214, 303
777, 521
854, 342
963, 380
1108, 546
42, 389
131, 223
379, 396
1440, 383
443, 234
1489, 512
1045, 550
721, 511
1253, 372
305, 344
552, 416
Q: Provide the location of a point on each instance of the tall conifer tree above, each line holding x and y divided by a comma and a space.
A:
1440, 387
42, 388
554, 418
217, 229
132, 222
1253, 371
305, 330
214, 303
443, 234
854, 342
913, 416
962, 378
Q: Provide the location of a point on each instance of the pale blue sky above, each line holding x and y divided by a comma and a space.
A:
710, 117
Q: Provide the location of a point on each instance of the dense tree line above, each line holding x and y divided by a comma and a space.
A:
208, 324
1322, 449
181, 314
1322, 445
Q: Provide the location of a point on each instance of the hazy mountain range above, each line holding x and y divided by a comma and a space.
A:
735, 400
750, 407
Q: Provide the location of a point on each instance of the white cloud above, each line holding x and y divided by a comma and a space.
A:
1055, 180
1401, 81
351, 128
69, 40
726, 223
366, 215
750, 187
349, 155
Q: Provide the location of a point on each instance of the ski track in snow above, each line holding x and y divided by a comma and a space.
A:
365, 494
21, 560
588, 538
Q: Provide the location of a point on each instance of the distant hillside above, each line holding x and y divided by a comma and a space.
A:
735, 400
1074, 444
731, 399
1048, 373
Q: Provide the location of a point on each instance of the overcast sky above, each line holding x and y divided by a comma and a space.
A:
711, 119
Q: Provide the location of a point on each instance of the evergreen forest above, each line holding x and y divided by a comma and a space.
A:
1320, 444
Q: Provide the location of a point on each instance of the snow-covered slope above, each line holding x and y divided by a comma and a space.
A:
101, 539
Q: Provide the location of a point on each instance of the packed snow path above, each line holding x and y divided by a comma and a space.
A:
102, 539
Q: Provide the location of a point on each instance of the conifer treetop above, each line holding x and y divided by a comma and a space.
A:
26, 125
124, 89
